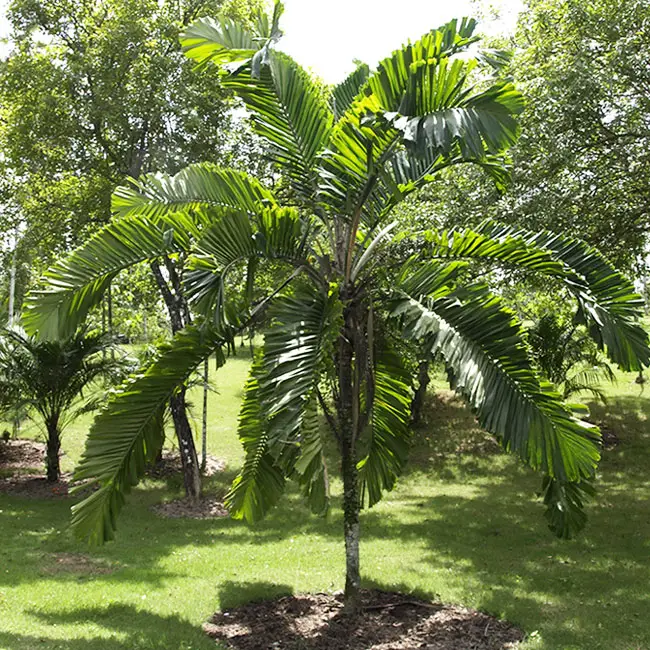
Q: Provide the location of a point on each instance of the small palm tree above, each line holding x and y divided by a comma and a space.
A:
352, 283
48, 378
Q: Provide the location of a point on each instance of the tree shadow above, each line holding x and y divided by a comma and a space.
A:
114, 627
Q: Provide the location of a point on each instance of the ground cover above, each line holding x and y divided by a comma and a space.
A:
463, 526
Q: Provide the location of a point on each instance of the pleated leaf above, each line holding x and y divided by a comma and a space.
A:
77, 283
389, 429
198, 186
344, 94
128, 432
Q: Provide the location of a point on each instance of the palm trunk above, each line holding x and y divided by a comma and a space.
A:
204, 429
53, 449
420, 393
351, 504
189, 459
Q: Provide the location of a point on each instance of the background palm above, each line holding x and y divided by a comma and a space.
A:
351, 286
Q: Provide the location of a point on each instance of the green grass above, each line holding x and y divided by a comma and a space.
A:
464, 525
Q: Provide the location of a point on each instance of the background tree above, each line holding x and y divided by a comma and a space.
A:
93, 93
48, 379
350, 286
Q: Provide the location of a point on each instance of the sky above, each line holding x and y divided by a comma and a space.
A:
327, 36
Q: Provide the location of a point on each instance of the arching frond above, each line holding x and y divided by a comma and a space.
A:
608, 304
344, 94
198, 186
389, 429
78, 282
128, 432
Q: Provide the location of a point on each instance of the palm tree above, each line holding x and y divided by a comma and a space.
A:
352, 285
49, 377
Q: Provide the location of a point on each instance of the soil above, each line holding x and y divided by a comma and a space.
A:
35, 486
76, 563
208, 507
387, 621
170, 465
21, 454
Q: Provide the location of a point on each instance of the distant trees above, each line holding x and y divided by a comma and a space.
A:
352, 283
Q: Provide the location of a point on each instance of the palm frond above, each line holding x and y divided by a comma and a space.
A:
389, 429
127, 433
77, 283
608, 304
197, 187
482, 344
344, 94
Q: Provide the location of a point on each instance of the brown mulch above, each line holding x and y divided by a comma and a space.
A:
21, 454
76, 563
35, 486
206, 508
170, 465
387, 621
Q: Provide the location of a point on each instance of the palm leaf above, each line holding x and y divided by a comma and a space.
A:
198, 186
608, 304
260, 482
389, 426
127, 433
344, 94
77, 283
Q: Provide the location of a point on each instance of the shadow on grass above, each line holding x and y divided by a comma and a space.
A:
115, 627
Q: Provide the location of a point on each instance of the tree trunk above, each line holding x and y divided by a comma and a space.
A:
189, 459
420, 393
204, 428
347, 433
53, 449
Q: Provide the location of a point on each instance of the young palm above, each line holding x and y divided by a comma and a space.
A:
48, 379
351, 284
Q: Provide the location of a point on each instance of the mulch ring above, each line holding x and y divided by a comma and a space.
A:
170, 465
21, 454
387, 621
35, 486
207, 507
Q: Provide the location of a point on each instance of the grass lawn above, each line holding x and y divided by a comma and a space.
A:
464, 526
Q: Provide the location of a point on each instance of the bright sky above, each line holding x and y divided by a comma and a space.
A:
327, 35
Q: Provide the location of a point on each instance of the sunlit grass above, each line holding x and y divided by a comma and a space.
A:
464, 526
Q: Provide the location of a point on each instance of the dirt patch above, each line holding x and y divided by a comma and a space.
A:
387, 621
21, 454
206, 508
76, 563
170, 465
34, 486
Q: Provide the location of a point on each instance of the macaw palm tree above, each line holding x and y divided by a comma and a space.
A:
351, 286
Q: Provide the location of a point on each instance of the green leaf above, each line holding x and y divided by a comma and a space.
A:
260, 482
482, 344
197, 187
290, 113
77, 283
564, 505
608, 304
344, 94
128, 432
389, 433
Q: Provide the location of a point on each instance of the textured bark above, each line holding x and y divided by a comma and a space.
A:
178, 314
189, 459
204, 429
420, 393
347, 441
53, 449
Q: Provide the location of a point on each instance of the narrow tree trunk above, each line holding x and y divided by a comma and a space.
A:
351, 505
204, 429
420, 393
53, 449
189, 459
